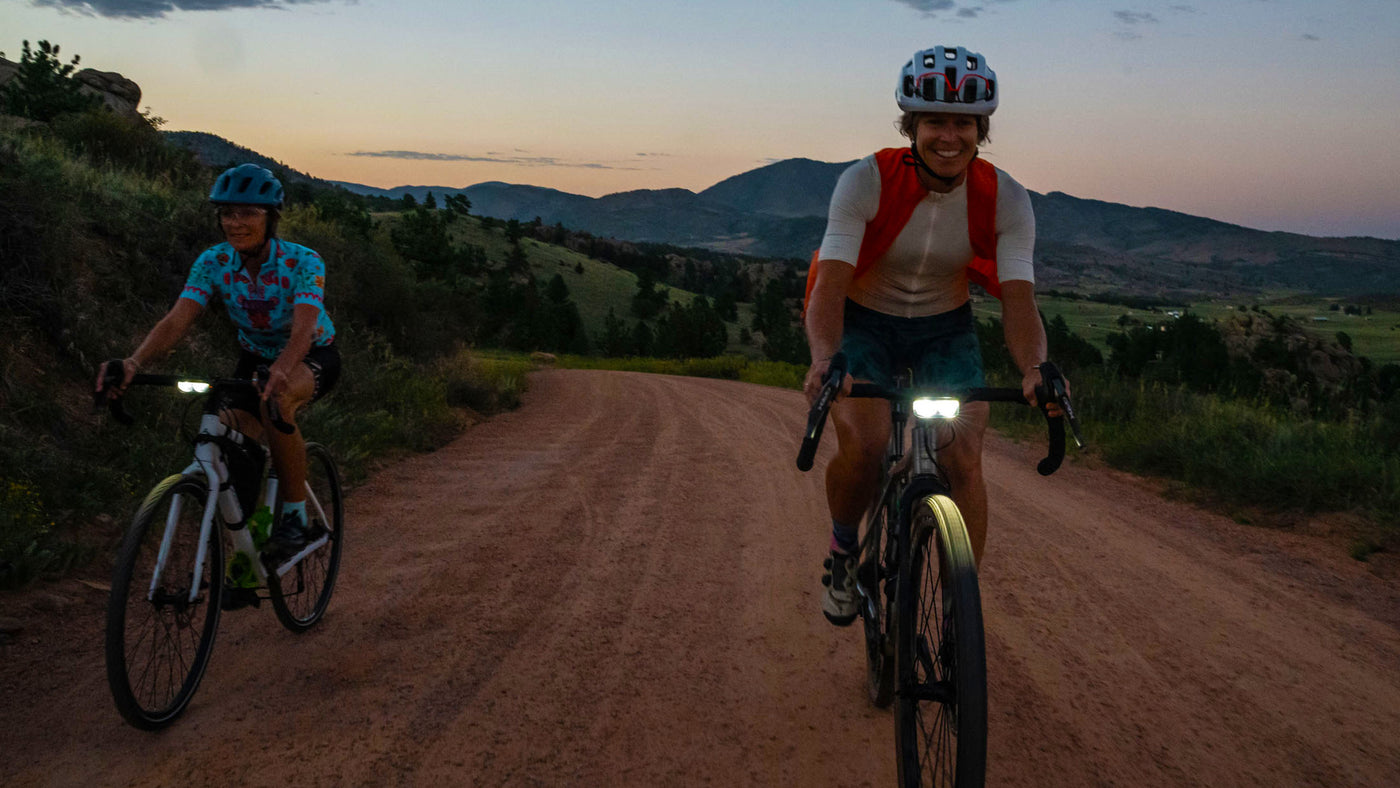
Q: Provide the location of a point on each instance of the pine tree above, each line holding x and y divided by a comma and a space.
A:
43, 88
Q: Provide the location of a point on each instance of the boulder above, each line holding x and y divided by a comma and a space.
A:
118, 93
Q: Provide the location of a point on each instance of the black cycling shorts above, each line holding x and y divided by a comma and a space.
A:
323, 361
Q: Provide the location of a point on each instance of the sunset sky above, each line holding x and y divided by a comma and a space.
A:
1274, 114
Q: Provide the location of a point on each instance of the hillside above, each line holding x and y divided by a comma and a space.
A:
214, 151
778, 211
1096, 246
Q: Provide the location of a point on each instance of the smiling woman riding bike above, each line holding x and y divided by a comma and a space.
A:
273, 291
907, 229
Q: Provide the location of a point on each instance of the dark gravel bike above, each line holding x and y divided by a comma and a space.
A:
917, 579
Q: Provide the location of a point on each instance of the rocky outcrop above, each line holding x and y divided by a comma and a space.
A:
118, 93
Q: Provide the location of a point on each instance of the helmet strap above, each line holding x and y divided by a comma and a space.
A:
913, 157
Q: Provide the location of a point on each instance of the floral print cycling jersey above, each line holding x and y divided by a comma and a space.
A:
262, 309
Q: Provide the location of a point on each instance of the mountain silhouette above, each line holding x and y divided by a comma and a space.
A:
779, 211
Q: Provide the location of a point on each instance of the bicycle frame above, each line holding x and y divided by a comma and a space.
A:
209, 462
908, 475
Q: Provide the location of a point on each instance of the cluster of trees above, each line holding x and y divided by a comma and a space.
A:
497, 303
1279, 365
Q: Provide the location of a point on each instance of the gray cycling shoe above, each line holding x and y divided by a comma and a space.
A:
841, 602
287, 539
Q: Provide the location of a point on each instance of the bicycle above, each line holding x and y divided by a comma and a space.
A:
171, 582
920, 604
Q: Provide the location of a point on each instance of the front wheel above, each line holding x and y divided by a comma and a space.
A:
163, 609
300, 596
941, 714
875, 606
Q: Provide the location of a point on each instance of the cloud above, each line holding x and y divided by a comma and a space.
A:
928, 6
1310, 37
519, 161
157, 9
1135, 17
969, 13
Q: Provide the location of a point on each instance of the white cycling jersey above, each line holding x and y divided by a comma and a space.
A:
925, 270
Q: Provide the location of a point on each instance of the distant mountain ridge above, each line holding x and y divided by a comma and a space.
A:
779, 211
215, 151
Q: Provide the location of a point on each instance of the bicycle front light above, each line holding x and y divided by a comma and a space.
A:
929, 408
192, 386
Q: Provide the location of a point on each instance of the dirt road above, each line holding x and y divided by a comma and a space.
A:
618, 584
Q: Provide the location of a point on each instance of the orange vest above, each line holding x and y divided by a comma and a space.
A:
900, 193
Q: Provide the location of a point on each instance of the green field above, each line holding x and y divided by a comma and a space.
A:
1376, 336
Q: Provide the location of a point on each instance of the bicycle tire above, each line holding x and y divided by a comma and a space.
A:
941, 710
158, 644
301, 596
875, 610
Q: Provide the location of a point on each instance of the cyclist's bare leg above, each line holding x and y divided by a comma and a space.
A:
853, 476
289, 450
962, 459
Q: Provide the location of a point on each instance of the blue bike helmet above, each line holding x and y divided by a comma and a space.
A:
247, 184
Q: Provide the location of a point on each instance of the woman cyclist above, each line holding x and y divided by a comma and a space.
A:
273, 291
906, 230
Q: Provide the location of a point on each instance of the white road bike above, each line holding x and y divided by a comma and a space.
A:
171, 580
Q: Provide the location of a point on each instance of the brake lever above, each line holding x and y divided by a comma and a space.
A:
274, 413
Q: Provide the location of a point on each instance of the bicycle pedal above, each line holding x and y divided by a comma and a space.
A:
239, 598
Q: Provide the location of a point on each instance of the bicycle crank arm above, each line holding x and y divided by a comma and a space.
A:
287, 566
938, 692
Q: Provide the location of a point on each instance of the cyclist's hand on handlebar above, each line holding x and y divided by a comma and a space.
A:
1033, 379
278, 379
816, 376
129, 368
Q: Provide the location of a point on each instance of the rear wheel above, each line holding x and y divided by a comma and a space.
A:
941, 713
300, 596
161, 620
879, 646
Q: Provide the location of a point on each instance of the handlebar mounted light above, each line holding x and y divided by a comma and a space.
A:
930, 408
192, 386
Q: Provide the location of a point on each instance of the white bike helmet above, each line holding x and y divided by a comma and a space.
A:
947, 79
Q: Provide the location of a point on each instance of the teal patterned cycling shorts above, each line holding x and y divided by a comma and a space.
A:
941, 351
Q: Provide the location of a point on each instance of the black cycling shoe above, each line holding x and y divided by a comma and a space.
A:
287, 539
236, 598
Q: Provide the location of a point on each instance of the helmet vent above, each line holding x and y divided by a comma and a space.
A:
972, 64
244, 184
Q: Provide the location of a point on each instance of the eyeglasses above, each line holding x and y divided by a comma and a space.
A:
240, 214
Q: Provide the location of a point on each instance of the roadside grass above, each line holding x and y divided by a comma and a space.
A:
1235, 454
